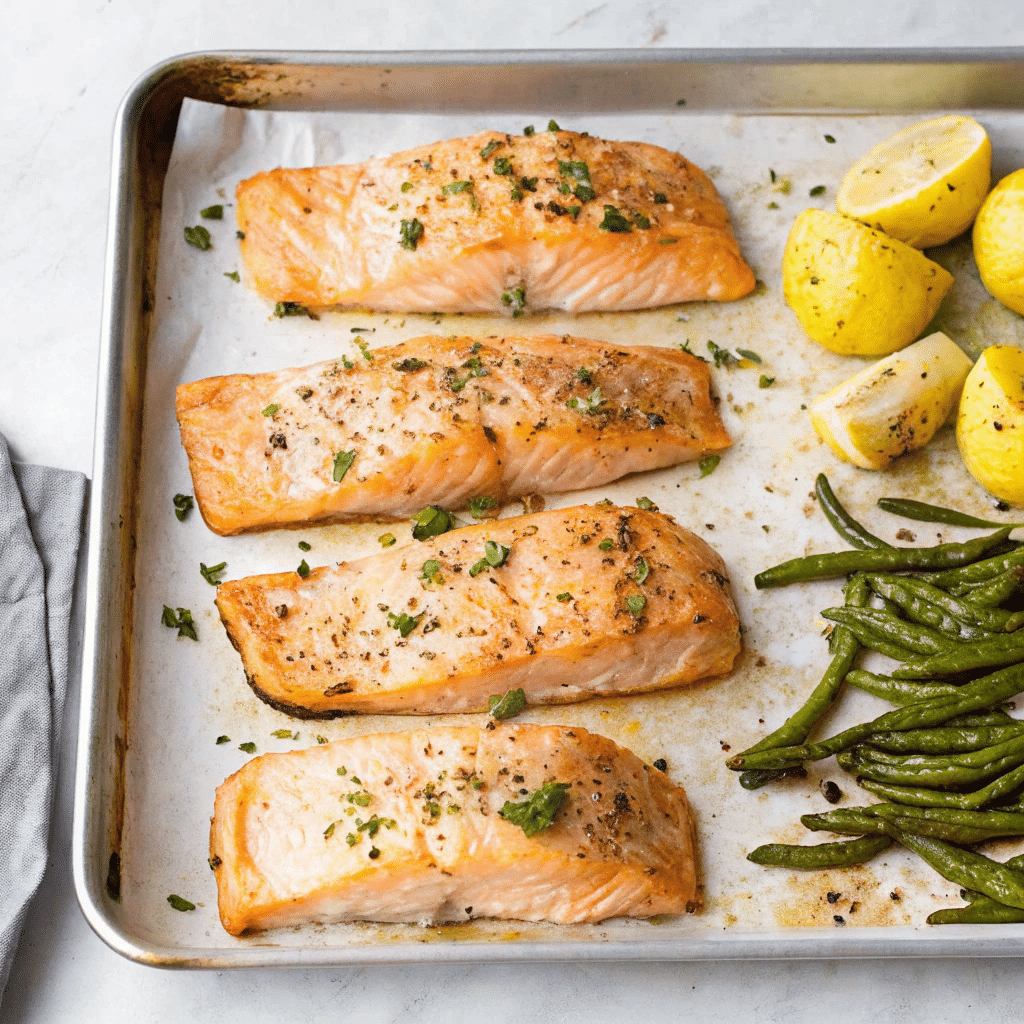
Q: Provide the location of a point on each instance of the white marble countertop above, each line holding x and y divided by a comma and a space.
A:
66, 65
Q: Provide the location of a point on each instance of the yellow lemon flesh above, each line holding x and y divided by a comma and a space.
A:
857, 291
999, 241
925, 184
990, 425
894, 406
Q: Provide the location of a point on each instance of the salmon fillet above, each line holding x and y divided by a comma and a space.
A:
587, 601
407, 827
493, 222
437, 421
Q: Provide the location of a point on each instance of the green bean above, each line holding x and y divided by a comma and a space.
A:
909, 635
896, 691
978, 572
998, 589
974, 696
844, 524
995, 620
937, 773
825, 855
925, 513
911, 597
1004, 650
919, 796
942, 739
998, 822
859, 821
976, 721
984, 911
758, 778
840, 563
844, 647
963, 758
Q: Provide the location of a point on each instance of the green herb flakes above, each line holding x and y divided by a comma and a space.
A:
591, 404
646, 504
830, 138
303, 569
660, 198
636, 603
374, 825
431, 522
410, 365
614, 221
508, 705
329, 831
199, 237
406, 186
607, 544
516, 299
304, 545
387, 540
641, 221
410, 234
709, 464
494, 556
182, 622
455, 187
240, 235
747, 354
248, 748
765, 381
212, 573
584, 375
285, 734
529, 130
183, 504
364, 347
360, 797
233, 275
685, 346
722, 356
404, 622
503, 166
553, 126
490, 148
343, 770
584, 193
180, 903
641, 570
773, 205
538, 810
223, 739
215, 212
283, 309
577, 169
430, 568
269, 410
479, 507
342, 464
347, 363
564, 597
818, 190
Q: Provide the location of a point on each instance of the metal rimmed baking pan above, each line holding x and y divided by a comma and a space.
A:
732, 109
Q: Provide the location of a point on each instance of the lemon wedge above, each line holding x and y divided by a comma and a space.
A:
894, 406
990, 424
925, 184
855, 290
999, 241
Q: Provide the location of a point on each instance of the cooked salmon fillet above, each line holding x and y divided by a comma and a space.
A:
586, 601
408, 827
554, 220
436, 421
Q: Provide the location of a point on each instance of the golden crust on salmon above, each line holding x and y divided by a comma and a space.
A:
408, 827
566, 604
437, 421
493, 222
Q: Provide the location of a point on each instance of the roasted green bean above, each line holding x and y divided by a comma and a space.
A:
919, 796
842, 522
896, 691
911, 636
925, 513
1006, 649
824, 855
943, 739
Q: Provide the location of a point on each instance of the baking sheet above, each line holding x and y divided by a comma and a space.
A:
755, 509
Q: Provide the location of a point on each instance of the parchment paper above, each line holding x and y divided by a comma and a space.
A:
755, 508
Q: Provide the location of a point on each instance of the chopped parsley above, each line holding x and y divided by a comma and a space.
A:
183, 504
607, 544
765, 381
269, 410
646, 504
830, 138
329, 831
636, 604
591, 404
479, 507
722, 356
583, 374
240, 235
538, 810
516, 299
455, 187
709, 464
285, 734
215, 212
431, 522
223, 739
747, 354
577, 169
564, 597
641, 570
342, 463
528, 130
773, 205
431, 570
387, 540
614, 221
248, 748
303, 569
321, 740
404, 623
660, 197
233, 275
406, 186
199, 237
584, 193
410, 365
508, 705
180, 903
818, 190
494, 556
553, 126
283, 309
503, 166
374, 825
410, 234
359, 330
360, 797
182, 622
685, 346
641, 221
490, 148
304, 545
365, 349
212, 573
347, 363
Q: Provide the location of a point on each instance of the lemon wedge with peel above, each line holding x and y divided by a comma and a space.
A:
999, 241
990, 424
923, 185
894, 406
855, 290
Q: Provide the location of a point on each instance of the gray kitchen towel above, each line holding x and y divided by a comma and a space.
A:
40, 531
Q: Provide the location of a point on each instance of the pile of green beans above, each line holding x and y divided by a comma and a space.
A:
948, 761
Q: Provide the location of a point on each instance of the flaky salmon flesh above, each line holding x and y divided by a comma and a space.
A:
566, 604
408, 827
553, 220
438, 421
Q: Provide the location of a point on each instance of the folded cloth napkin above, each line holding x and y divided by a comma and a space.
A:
40, 531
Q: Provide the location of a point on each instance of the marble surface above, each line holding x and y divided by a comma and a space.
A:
66, 64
